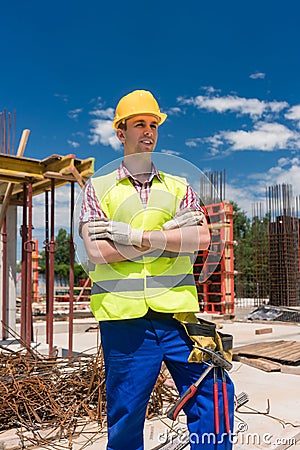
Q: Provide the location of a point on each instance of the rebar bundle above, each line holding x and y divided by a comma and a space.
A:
284, 246
37, 391
49, 399
7, 132
212, 187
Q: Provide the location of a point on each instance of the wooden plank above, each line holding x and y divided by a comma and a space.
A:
83, 168
294, 370
58, 176
76, 175
22, 163
272, 351
264, 331
288, 351
19, 175
261, 363
294, 354
255, 347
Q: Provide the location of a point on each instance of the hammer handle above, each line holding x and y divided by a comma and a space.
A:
186, 396
174, 411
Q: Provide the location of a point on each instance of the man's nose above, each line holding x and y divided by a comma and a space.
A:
148, 131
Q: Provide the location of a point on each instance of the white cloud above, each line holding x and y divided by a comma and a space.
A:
73, 144
74, 113
193, 142
276, 107
97, 101
265, 137
257, 76
170, 152
287, 171
269, 133
282, 162
244, 196
107, 113
294, 114
78, 133
103, 133
63, 97
253, 107
210, 89
174, 111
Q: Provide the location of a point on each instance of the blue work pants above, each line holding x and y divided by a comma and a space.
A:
134, 350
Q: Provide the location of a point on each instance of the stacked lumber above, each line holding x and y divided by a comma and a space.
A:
271, 356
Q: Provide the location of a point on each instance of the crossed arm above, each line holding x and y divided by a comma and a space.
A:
185, 239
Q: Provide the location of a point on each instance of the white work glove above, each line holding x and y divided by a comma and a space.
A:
185, 218
119, 232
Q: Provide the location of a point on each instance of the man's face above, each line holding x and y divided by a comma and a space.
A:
140, 136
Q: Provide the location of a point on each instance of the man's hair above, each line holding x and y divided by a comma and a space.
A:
122, 125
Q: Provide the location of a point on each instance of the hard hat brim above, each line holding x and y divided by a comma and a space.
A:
161, 117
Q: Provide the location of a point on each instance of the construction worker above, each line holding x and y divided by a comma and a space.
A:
140, 228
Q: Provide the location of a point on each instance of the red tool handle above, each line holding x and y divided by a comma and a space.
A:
216, 403
226, 410
174, 411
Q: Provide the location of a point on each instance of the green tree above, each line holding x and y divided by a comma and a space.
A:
260, 242
241, 223
243, 253
250, 255
62, 254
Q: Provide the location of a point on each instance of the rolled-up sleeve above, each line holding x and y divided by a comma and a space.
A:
190, 200
90, 208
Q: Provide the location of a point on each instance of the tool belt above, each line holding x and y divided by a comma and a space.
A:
204, 334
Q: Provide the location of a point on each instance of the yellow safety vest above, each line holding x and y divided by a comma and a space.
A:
162, 280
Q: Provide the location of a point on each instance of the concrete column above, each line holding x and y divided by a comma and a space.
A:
11, 226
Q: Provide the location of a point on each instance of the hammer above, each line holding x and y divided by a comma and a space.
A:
217, 360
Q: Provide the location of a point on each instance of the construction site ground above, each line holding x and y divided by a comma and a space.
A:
269, 420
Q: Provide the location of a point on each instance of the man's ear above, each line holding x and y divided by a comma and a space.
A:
121, 135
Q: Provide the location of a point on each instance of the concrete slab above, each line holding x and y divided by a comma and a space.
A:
277, 430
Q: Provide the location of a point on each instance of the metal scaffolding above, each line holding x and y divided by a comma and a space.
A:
21, 179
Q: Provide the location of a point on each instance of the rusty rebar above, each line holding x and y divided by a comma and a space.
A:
50, 399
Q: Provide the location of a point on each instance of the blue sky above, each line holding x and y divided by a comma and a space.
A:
227, 74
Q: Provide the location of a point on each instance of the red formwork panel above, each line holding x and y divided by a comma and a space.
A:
216, 293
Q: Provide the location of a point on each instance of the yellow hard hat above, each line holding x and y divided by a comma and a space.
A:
137, 102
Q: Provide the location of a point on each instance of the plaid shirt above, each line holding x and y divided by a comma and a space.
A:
91, 210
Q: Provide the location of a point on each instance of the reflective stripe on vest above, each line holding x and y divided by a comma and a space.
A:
132, 285
170, 282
